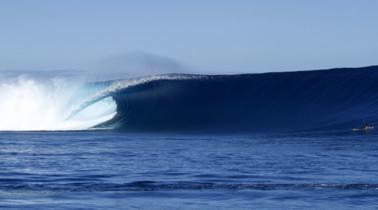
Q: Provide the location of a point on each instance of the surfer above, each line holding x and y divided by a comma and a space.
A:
365, 127
368, 127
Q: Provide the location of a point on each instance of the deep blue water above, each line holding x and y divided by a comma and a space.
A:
113, 170
270, 102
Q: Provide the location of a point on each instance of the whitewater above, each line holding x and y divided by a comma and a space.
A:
63, 103
29, 104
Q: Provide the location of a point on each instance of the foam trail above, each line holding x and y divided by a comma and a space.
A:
33, 104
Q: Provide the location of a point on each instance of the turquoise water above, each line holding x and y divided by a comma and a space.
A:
114, 170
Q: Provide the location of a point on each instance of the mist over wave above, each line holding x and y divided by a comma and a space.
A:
135, 64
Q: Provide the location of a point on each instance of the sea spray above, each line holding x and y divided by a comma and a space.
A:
34, 103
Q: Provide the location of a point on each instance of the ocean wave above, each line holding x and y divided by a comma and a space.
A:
286, 101
289, 101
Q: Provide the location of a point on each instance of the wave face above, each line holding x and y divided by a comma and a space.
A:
289, 101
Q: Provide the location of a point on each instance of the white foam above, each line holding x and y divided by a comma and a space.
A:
31, 104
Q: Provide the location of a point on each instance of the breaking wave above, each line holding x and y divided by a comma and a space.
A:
307, 100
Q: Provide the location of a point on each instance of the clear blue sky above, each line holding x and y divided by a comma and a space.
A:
209, 35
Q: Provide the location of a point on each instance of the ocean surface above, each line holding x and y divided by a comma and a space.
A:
117, 170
